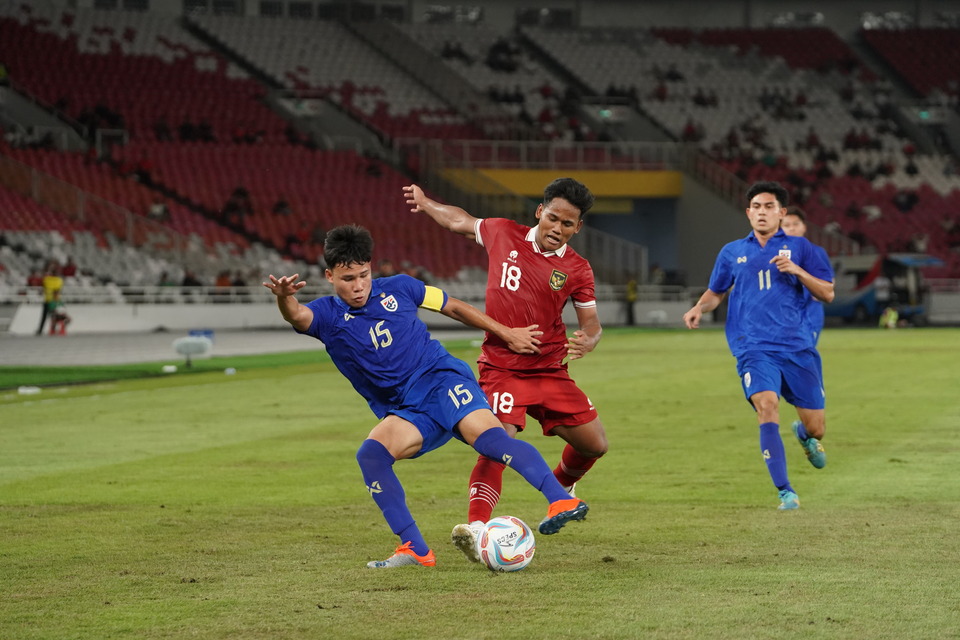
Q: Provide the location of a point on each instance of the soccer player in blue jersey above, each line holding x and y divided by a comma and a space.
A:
422, 395
767, 275
795, 224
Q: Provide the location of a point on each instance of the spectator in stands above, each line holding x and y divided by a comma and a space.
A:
502, 55
872, 212
952, 228
700, 98
920, 242
823, 171
673, 74
166, 281
853, 210
385, 269
905, 200
161, 130
415, 271
237, 207
69, 269
318, 235
281, 207
190, 279
692, 131
159, 211
373, 165
453, 50
35, 279
187, 131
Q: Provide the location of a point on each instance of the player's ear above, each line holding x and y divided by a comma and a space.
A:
329, 275
539, 211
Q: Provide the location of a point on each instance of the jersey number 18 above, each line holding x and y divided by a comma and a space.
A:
510, 276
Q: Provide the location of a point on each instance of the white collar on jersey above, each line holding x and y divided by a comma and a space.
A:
532, 238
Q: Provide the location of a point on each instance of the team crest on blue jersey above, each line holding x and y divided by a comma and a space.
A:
389, 303
557, 280
785, 253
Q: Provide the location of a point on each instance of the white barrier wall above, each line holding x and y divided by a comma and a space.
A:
125, 318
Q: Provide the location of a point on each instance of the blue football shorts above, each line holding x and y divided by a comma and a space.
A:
797, 377
439, 400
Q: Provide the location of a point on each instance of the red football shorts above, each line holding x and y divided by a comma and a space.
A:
551, 398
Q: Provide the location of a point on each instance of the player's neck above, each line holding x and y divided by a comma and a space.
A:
763, 237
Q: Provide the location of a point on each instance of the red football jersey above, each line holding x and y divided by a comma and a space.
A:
528, 286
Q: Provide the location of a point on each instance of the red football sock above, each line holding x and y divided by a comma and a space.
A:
572, 466
486, 482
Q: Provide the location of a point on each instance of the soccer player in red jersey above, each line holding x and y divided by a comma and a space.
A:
532, 273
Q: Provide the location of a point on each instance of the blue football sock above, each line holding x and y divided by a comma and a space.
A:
802, 432
523, 458
376, 465
774, 455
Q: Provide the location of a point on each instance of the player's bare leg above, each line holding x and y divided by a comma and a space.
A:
586, 443
809, 430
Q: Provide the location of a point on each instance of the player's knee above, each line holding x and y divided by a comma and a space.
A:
372, 453
595, 449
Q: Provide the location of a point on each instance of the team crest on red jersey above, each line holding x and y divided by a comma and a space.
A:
390, 303
557, 280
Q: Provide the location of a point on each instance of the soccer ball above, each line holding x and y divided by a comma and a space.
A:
506, 544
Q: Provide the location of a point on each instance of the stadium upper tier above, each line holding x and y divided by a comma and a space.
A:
187, 107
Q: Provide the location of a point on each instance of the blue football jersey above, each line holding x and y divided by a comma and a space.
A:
382, 348
767, 309
815, 313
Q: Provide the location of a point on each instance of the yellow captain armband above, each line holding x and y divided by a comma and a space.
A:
433, 299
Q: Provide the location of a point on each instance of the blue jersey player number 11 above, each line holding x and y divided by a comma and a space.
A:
770, 278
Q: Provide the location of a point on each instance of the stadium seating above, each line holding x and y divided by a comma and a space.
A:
324, 58
770, 92
927, 59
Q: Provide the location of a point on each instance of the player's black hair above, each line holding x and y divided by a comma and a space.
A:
779, 192
574, 192
792, 211
346, 245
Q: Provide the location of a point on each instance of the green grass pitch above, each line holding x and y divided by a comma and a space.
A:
209, 506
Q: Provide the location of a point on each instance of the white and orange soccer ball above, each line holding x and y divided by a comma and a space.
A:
506, 543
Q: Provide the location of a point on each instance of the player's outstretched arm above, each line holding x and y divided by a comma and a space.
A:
586, 338
285, 288
709, 301
448, 216
518, 339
